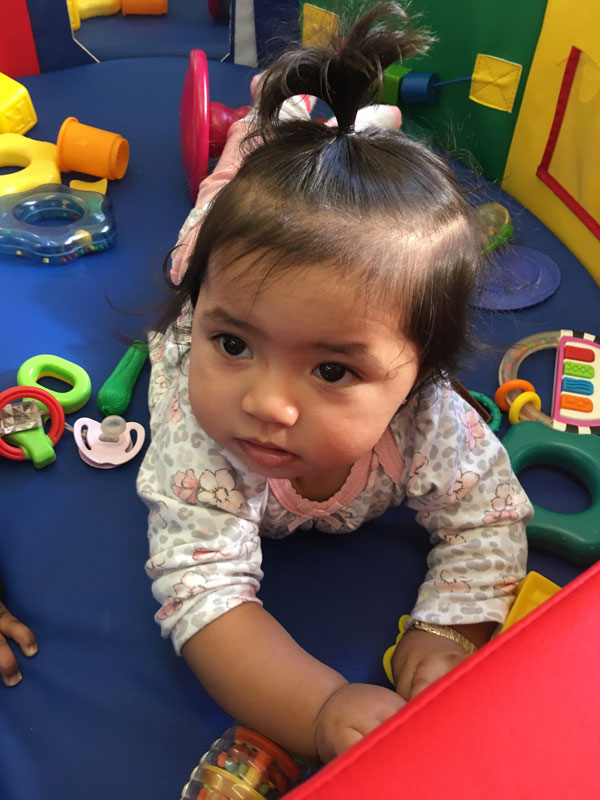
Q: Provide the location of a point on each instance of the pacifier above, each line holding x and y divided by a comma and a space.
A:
108, 443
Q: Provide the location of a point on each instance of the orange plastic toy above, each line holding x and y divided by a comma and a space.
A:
144, 7
83, 148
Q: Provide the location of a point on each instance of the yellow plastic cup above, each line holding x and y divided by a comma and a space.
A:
83, 148
144, 7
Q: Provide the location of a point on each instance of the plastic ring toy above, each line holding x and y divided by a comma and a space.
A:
43, 366
508, 386
38, 160
54, 224
489, 405
574, 537
519, 402
515, 355
57, 416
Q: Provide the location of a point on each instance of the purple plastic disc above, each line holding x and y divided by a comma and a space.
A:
519, 277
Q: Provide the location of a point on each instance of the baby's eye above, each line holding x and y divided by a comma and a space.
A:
334, 373
233, 346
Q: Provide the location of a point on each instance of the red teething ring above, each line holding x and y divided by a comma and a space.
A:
57, 416
508, 386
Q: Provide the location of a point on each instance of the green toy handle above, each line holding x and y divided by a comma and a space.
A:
114, 395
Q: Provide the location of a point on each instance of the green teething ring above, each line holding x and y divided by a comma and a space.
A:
575, 537
489, 405
44, 366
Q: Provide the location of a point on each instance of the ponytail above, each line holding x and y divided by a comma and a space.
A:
346, 73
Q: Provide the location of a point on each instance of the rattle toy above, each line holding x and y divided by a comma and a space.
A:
496, 224
108, 443
550, 439
576, 396
243, 765
115, 393
89, 224
34, 444
203, 125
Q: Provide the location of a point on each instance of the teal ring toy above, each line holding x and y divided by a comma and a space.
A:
489, 405
43, 366
575, 537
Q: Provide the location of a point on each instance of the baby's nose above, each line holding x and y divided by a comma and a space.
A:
270, 405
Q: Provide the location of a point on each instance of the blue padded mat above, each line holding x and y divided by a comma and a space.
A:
186, 25
106, 709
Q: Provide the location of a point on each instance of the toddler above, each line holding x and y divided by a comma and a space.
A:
300, 378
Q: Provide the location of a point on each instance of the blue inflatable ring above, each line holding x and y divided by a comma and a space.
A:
54, 224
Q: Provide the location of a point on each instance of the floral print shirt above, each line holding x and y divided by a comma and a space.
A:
207, 511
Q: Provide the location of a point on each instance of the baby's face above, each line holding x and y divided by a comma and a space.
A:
296, 377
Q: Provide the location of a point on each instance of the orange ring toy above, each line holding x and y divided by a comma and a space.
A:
57, 416
508, 386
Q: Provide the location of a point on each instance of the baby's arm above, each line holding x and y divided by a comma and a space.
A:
206, 569
11, 628
254, 669
468, 498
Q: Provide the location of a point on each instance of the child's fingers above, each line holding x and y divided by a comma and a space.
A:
12, 628
9, 669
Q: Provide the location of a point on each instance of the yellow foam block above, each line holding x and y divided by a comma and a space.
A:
494, 82
17, 114
575, 162
318, 25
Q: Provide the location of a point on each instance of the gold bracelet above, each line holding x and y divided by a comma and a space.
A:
445, 631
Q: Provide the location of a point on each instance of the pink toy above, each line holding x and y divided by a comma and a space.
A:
109, 443
203, 125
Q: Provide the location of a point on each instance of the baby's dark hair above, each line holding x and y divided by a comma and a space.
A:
376, 206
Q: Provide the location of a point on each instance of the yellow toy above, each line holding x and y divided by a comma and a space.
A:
84, 9
17, 114
38, 160
533, 590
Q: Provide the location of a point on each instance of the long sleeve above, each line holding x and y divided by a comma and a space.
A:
460, 481
226, 168
204, 511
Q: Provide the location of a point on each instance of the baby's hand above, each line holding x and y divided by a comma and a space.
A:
421, 658
11, 628
350, 713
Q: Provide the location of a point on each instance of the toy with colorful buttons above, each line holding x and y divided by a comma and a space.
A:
576, 397
568, 439
243, 765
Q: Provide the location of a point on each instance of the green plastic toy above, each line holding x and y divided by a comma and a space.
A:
115, 394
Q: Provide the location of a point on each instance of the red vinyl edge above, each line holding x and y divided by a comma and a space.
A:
521, 716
